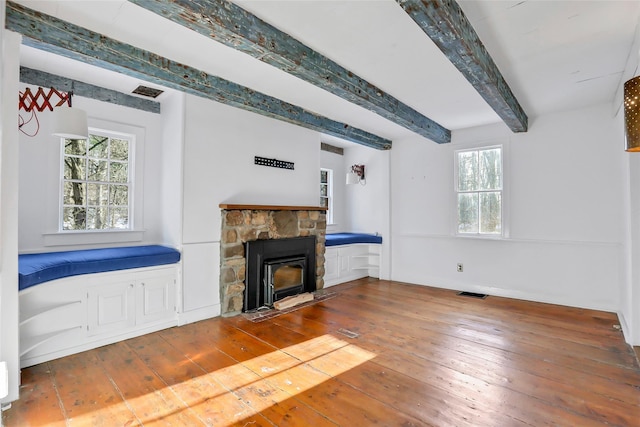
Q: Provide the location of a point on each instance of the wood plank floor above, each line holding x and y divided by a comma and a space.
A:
377, 353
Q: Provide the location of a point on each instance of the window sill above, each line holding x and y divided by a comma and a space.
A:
63, 238
482, 236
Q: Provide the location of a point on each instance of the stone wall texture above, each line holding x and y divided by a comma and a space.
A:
240, 226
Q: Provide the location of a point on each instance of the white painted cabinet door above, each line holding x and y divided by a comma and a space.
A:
155, 299
201, 276
111, 308
331, 264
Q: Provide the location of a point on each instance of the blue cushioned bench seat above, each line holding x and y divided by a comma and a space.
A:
336, 239
37, 268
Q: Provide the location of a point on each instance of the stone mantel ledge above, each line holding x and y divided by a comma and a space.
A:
232, 207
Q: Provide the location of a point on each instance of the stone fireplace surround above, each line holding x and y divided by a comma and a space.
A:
243, 223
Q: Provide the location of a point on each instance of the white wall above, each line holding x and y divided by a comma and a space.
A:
40, 179
630, 310
172, 168
9, 350
219, 149
565, 206
220, 145
368, 206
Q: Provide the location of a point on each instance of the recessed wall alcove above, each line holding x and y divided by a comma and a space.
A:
244, 223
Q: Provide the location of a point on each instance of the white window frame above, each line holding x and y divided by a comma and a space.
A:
131, 138
503, 193
329, 194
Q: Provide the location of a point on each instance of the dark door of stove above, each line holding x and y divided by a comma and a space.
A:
283, 278
257, 251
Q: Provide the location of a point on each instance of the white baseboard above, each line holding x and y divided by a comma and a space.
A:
199, 314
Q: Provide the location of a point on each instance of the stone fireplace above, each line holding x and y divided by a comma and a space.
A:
246, 223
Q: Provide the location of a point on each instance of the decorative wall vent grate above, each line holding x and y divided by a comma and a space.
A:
147, 91
472, 295
274, 163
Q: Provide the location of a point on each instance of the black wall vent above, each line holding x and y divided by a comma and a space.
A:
472, 295
147, 91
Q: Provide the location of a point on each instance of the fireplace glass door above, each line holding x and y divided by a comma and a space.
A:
283, 277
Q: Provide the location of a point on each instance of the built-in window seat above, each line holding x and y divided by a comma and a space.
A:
74, 301
351, 256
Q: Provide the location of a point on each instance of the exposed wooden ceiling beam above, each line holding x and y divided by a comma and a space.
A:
44, 79
233, 26
445, 23
63, 38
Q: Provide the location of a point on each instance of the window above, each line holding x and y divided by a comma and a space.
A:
326, 192
479, 191
96, 182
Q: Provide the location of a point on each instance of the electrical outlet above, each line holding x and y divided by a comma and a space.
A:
460, 267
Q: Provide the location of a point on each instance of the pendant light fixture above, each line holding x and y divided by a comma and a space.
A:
632, 114
69, 122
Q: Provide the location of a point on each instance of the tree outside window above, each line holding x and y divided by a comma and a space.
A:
479, 191
96, 184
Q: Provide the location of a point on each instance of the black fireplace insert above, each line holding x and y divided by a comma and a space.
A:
278, 268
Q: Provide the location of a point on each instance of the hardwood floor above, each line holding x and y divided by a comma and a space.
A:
377, 353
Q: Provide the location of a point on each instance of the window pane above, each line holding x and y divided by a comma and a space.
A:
119, 195
490, 169
97, 170
97, 218
468, 213
490, 213
119, 172
119, 149
119, 218
323, 177
96, 182
75, 168
323, 190
77, 147
98, 146
324, 202
468, 171
74, 193
74, 218
97, 194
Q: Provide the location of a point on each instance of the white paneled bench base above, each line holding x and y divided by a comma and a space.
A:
81, 312
351, 256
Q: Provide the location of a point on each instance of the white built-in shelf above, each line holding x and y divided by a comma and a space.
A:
30, 343
29, 314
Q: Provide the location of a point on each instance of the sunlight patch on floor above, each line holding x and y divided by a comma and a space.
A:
236, 392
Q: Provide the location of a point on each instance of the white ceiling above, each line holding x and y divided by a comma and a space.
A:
555, 55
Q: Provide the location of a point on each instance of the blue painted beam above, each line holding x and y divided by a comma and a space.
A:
445, 23
233, 26
86, 90
63, 38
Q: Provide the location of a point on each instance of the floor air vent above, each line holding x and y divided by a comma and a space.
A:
472, 295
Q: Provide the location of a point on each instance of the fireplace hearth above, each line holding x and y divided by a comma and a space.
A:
277, 269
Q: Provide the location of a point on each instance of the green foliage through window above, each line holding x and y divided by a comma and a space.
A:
326, 192
479, 180
96, 183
